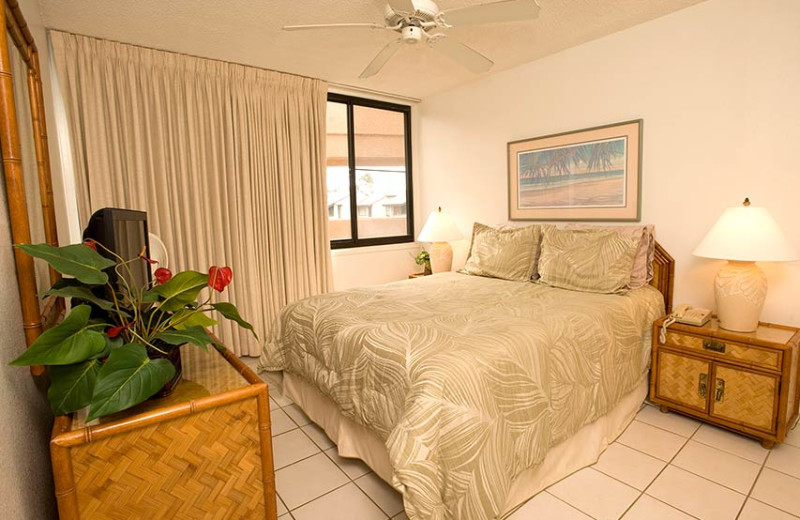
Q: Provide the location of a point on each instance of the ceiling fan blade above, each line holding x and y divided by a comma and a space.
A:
403, 6
460, 53
334, 26
380, 60
496, 12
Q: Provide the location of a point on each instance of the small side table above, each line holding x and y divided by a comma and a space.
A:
205, 451
417, 275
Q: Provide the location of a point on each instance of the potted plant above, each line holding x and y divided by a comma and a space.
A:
119, 344
423, 258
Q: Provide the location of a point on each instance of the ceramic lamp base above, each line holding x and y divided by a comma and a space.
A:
740, 289
441, 257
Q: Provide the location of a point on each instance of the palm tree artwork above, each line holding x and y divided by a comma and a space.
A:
581, 175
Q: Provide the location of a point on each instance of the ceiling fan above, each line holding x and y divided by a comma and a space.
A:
412, 19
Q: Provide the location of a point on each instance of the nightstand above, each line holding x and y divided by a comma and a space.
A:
417, 275
746, 382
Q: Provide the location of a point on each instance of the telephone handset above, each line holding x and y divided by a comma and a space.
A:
687, 314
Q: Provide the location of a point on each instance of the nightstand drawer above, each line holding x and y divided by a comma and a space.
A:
722, 349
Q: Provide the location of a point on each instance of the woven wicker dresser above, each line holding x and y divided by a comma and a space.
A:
747, 382
203, 452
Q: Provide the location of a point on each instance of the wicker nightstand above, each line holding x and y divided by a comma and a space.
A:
747, 382
203, 452
418, 275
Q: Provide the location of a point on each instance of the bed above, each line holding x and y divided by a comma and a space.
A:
470, 394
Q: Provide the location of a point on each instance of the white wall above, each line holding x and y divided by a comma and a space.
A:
717, 87
26, 488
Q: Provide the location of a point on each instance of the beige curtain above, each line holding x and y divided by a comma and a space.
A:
227, 160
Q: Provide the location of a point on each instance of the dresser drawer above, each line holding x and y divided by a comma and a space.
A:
728, 350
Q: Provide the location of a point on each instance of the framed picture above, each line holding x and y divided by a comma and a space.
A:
591, 174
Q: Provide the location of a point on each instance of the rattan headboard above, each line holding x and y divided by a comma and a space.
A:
663, 274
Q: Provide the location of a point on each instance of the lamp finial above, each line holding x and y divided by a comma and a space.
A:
746, 202
440, 209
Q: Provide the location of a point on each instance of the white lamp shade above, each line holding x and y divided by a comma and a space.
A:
746, 234
439, 228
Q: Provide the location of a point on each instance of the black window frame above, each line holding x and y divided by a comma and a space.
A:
354, 241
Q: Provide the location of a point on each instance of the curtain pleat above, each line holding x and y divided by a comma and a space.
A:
227, 160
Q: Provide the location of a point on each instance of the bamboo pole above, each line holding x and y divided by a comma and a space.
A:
15, 191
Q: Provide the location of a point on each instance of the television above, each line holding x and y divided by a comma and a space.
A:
124, 232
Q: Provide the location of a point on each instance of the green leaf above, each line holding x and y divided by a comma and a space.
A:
185, 318
82, 293
181, 290
70, 341
195, 335
111, 344
150, 296
126, 379
71, 386
230, 312
114, 343
82, 262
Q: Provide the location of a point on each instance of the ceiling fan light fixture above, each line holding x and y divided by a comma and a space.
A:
412, 34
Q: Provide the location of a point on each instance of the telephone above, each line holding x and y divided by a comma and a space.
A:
687, 314
691, 315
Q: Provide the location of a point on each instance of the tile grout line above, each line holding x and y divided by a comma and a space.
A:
349, 480
353, 480
773, 507
691, 437
668, 464
750, 493
752, 486
562, 501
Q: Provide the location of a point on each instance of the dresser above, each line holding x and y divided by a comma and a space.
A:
203, 452
746, 382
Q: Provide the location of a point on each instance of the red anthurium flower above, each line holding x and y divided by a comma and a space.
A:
113, 332
144, 257
163, 275
219, 277
90, 243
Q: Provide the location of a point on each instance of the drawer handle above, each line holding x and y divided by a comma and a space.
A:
702, 385
720, 394
716, 346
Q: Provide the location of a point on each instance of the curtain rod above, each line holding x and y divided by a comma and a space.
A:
375, 92
330, 84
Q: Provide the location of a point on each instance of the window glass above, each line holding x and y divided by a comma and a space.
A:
338, 172
376, 177
380, 150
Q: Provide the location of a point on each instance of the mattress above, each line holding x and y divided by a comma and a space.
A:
467, 381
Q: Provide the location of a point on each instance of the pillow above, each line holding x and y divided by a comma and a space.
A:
642, 271
509, 254
591, 260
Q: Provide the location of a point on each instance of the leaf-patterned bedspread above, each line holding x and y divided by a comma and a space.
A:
468, 380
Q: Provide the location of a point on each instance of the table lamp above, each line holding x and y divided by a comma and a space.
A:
440, 229
743, 235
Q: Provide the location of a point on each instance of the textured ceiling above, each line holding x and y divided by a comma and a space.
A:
249, 32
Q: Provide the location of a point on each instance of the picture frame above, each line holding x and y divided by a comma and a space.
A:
589, 174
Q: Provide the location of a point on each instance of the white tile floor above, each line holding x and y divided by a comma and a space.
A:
663, 467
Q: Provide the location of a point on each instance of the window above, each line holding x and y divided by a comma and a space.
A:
369, 172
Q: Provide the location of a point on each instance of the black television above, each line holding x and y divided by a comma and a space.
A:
124, 232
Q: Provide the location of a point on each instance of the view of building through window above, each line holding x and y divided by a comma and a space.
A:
378, 143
